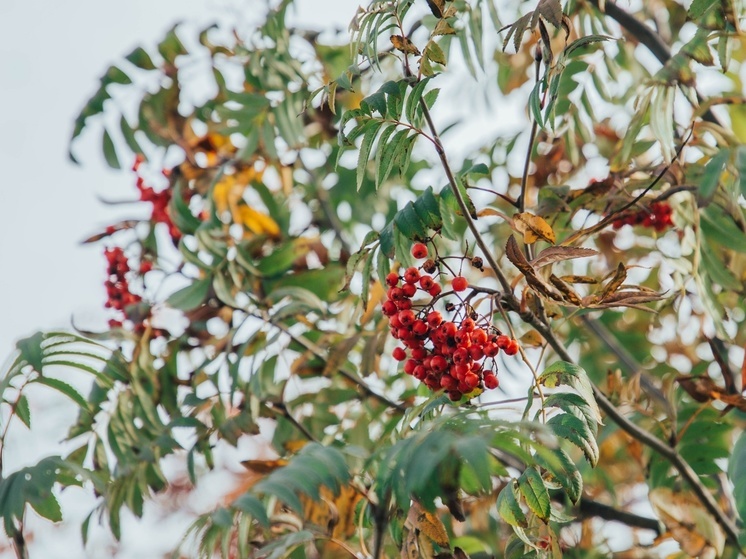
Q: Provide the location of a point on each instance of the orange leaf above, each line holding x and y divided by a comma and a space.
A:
404, 45
533, 228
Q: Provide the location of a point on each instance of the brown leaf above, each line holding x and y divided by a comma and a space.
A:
409, 548
514, 254
704, 389
404, 45
444, 28
437, 7
567, 291
550, 10
696, 531
550, 255
616, 282
264, 466
429, 524
533, 228
578, 279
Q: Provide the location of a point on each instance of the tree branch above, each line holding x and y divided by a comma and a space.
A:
588, 508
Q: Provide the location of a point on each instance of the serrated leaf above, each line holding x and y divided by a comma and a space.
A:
365, 149
562, 373
550, 255
434, 53
714, 169
508, 508
23, 411
535, 493
584, 41
699, 8
576, 431
563, 470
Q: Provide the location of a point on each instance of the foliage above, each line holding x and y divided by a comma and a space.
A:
566, 299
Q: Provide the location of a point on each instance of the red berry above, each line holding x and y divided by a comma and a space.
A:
388, 308
392, 280
409, 289
420, 328
407, 317
410, 366
419, 250
459, 283
471, 380
476, 352
491, 350
490, 381
434, 319
438, 364
412, 275
502, 341
512, 348
400, 354
479, 336
426, 282
435, 290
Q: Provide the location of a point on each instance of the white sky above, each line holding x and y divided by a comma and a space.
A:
51, 56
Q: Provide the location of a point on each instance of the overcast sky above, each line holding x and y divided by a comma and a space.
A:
51, 56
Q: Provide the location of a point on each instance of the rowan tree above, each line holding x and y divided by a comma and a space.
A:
464, 280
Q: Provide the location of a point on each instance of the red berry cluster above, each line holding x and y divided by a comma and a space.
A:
117, 285
120, 298
658, 216
160, 201
443, 354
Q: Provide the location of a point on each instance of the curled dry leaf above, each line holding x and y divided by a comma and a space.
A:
533, 228
403, 44
532, 338
551, 255
704, 389
515, 255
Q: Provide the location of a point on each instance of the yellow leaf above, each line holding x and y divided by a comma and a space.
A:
428, 524
532, 339
256, 222
404, 45
264, 466
533, 228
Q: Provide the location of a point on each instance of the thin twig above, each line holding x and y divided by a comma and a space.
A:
318, 352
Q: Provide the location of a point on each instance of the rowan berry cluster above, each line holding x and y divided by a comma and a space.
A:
659, 216
160, 201
117, 285
455, 355
119, 296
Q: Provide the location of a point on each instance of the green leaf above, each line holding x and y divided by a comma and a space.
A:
31, 351
535, 493
110, 152
23, 411
171, 46
562, 373
251, 505
563, 470
373, 128
713, 170
699, 8
576, 431
737, 474
584, 41
434, 53
140, 58
115, 75
508, 507
191, 296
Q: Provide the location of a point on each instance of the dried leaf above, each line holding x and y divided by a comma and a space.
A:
566, 290
264, 466
514, 254
550, 255
532, 338
444, 28
704, 389
550, 10
437, 7
533, 228
616, 282
409, 548
403, 44
429, 524
578, 279
696, 531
